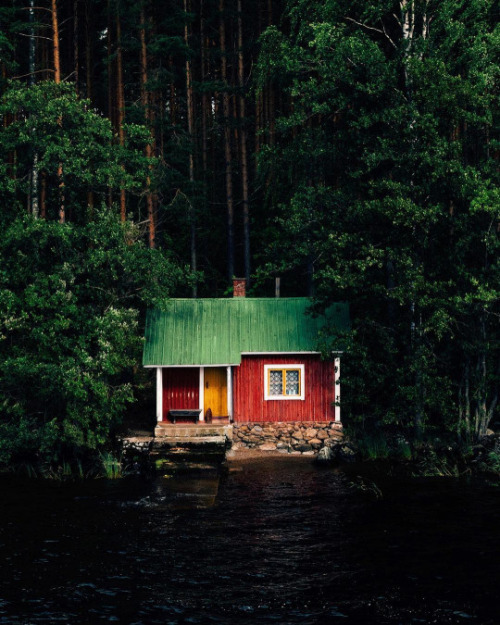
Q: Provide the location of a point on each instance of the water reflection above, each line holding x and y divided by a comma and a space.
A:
271, 541
185, 492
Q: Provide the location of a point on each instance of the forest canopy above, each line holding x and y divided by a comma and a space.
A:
154, 149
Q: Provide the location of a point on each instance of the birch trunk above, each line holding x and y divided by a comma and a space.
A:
485, 410
34, 206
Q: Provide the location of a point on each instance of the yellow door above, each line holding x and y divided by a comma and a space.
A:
215, 391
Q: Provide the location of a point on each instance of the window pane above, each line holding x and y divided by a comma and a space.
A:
275, 382
292, 382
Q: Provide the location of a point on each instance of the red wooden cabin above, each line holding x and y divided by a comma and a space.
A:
244, 360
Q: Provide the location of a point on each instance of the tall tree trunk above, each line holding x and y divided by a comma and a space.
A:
204, 96
258, 126
46, 63
467, 398
109, 46
57, 79
34, 206
76, 49
271, 107
419, 386
145, 104
89, 77
259, 95
88, 52
172, 93
55, 42
391, 285
111, 90
271, 115
32, 44
484, 412
243, 148
43, 196
190, 115
227, 147
120, 97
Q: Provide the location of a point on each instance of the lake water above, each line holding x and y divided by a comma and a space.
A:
273, 541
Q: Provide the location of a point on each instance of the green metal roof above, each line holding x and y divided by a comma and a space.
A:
217, 331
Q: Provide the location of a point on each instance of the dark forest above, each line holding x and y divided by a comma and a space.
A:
158, 149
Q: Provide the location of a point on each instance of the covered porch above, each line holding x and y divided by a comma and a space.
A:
194, 395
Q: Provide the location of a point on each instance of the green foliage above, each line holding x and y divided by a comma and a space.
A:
374, 447
73, 295
381, 444
494, 461
378, 184
111, 466
431, 463
70, 331
384, 192
50, 121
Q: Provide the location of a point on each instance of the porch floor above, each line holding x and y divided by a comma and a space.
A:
193, 431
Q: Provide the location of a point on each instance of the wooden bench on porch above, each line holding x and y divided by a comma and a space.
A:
190, 414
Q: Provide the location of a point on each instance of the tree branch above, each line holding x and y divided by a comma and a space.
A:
387, 36
38, 71
382, 30
35, 9
397, 20
377, 30
34, 36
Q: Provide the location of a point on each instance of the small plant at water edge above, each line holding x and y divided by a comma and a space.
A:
373, 447
111, 466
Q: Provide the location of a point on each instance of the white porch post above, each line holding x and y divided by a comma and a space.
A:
229, 393
337, 390
202, 393
159, 394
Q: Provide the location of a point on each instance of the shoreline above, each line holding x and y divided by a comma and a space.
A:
234, 455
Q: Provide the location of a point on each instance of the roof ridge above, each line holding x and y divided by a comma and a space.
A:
236, 299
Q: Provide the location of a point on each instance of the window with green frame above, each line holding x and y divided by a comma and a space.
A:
283, 382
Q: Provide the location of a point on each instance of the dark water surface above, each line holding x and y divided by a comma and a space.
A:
274, 541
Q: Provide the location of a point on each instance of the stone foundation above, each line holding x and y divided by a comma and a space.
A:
140, 444
296, 438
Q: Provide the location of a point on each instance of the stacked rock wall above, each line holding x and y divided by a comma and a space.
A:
296, 438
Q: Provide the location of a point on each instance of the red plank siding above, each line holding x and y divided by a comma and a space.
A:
249, 402
181, 389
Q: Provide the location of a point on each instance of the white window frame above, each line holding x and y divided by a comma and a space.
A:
302, 387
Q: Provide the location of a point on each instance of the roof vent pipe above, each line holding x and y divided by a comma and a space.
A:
277, 287
239, 287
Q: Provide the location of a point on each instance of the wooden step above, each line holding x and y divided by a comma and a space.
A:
192, 431
186, 441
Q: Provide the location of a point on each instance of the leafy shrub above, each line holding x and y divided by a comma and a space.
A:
71, 303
